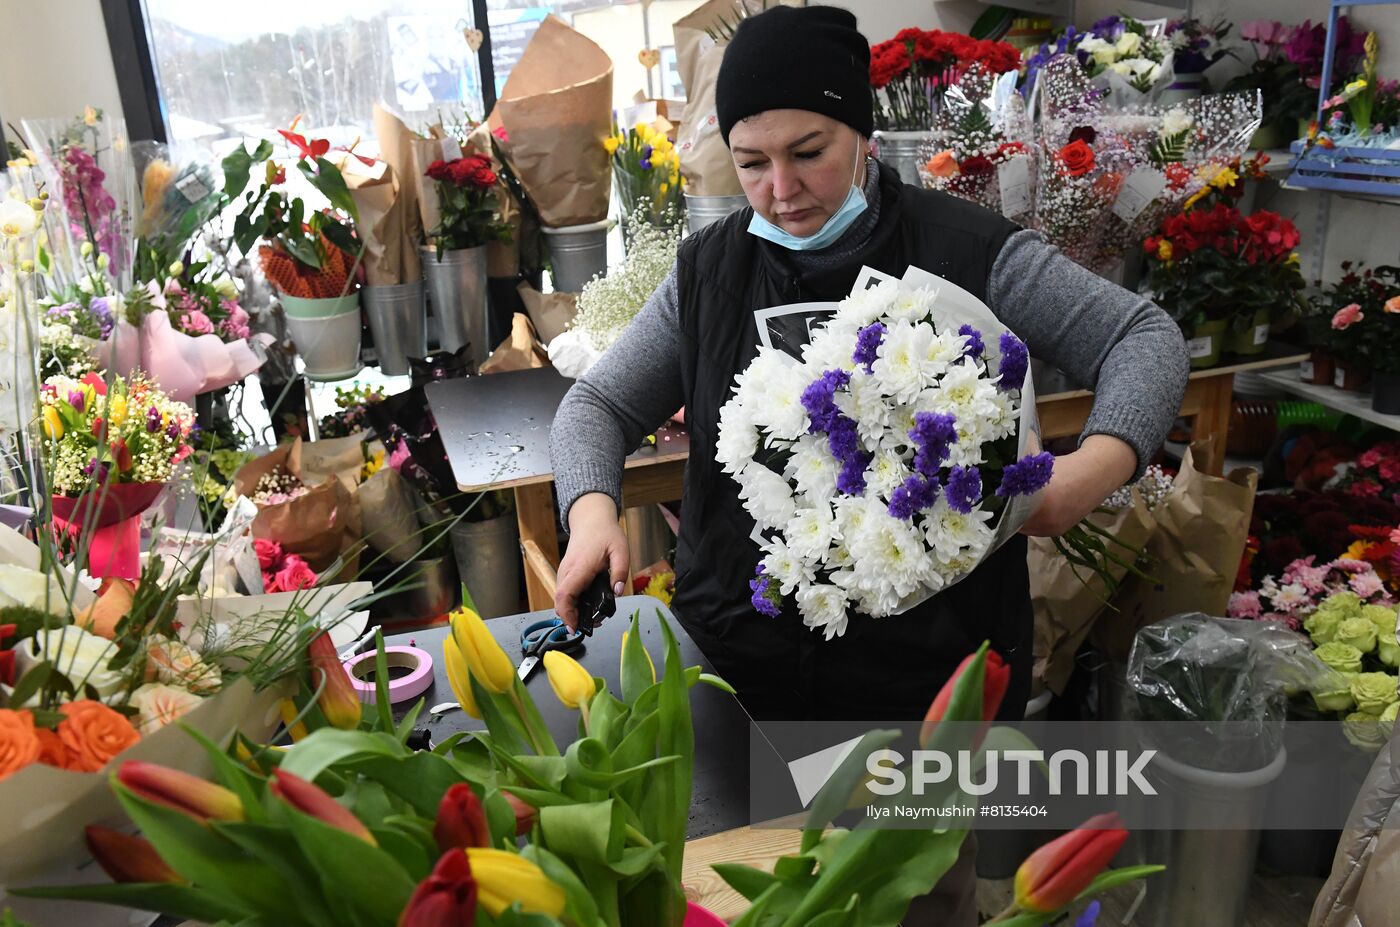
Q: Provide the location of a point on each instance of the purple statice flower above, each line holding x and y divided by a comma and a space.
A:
63, 312
842, 438
917, 494
1090, 917
765, 598
75, 399
1026, 476
1041, 58
868, 342
817, 399
975, 347
1014, 360
851, 479
933, 433
153, 419
964, 489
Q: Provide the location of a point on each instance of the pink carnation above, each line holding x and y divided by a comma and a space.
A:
1351, 566
1244, 605
1369, 459
236, 325
399, 456
1366, 584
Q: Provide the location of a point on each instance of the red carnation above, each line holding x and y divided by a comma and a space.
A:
976, 166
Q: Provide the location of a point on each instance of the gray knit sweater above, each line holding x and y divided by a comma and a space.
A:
1117, 343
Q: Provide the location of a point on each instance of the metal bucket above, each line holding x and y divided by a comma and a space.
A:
649, 538
398, 320
488, 562
577, 254
432, 591
904, 151
700, 211
457, 288
1206, 883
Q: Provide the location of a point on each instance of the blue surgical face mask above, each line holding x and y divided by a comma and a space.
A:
831, 230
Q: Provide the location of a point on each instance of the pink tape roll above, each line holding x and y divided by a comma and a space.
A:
409, 685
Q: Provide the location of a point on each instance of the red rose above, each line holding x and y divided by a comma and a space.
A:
439, 170
1007, 149
976, 166
1076, 159
1085, 134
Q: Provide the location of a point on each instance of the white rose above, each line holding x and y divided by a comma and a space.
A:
225, 287
823, 606
1121, 68
176, 663
80, 656
158, 704
1129, 44
766, 496
1175, 122
29, 588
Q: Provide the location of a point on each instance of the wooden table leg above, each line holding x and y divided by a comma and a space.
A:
1213, 421
534, 513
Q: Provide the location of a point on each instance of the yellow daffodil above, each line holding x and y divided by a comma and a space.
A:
610, 143
53, 425
503, 878
1196, 197
570, 681
663, 188
1224, 178
1164, 250
484, 657
459, 677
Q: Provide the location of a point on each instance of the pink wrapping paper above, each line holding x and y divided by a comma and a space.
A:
183, 365
115, 546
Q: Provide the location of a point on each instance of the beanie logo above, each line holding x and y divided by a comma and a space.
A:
833, 94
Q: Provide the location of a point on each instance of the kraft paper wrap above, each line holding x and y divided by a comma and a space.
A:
521, 351
556, 108
550, 313
424, 151
380, 221
1067, 608
1201, 530
396, 148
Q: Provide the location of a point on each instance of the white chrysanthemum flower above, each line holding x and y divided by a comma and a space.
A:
899, 366
766, 496
738, 437
952, 534
891, 552
912, 305
831, 348
860, 309
814, 469
964, 391
864, 402
810, 532
1004, 418
777, 405
886, 473
823, 606
788, 568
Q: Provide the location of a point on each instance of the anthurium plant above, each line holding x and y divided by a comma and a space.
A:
508, 827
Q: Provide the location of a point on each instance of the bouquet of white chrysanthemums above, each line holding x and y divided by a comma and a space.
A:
889, 455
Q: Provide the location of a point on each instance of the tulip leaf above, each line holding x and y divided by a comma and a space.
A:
710, 679
746, 880
605, 716
418, 778
179, 901
367, 882
762, 906
404, 843
328, 747
579, 906
637, 671
1002, 739
665, 804
1112, 878
590, 831
275, 846
835, 794
841, 917
381, 679
534, 721
636, 860
587, 763
405, 729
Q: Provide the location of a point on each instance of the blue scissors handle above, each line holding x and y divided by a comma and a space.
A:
550, 634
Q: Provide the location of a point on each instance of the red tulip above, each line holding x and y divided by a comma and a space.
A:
1054, 875
525, 815
127, 858
179, 790
446, 898
338, 700
121, 454
461, 821
7, 657
996, 677
309, 799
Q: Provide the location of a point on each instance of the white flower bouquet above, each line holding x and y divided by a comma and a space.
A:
888, 456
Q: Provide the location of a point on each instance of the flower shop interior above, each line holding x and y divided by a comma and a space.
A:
293, 302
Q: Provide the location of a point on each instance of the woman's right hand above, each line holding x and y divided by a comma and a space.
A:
596, 544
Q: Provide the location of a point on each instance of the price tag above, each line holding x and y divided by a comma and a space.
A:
451, 151
1306, 371
192, 188
1339, 378
1261, 334
1199, 347
1142, 187
1014, 177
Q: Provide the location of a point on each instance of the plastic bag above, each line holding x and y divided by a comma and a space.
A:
1231, 678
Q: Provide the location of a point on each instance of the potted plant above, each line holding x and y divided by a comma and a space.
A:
311, 256
1379, 333
1196, 46
1224, 276
907, 76
1287, 99
454, 261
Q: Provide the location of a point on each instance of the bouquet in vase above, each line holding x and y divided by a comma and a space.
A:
909, 73
467, 202
886, 458
647, 173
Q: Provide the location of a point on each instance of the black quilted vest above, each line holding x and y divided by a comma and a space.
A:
885, 669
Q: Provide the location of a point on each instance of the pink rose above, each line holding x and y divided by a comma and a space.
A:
1346, 317
1392, 305
196, 323
295, 574
269, 553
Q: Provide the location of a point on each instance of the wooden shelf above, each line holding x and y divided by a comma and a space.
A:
1352, 403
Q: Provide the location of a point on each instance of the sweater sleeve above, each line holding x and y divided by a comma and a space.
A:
625, 396
1105, 338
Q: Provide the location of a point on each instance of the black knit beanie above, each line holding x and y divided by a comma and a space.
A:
810, 58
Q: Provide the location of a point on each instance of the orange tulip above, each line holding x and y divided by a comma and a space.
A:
127, 858
1054, 875
996, 678
446, 898
338, 700
111, 606
179, 790
461, 821
310, 800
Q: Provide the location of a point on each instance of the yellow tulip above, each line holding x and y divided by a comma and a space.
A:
116, 410
484, 657
459, 677
663, 188
289, 713
503, 878
53, 425
570, 681
644, 651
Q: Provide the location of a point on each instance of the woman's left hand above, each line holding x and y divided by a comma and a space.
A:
1079, 484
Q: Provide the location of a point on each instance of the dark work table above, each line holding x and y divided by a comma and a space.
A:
720, 796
